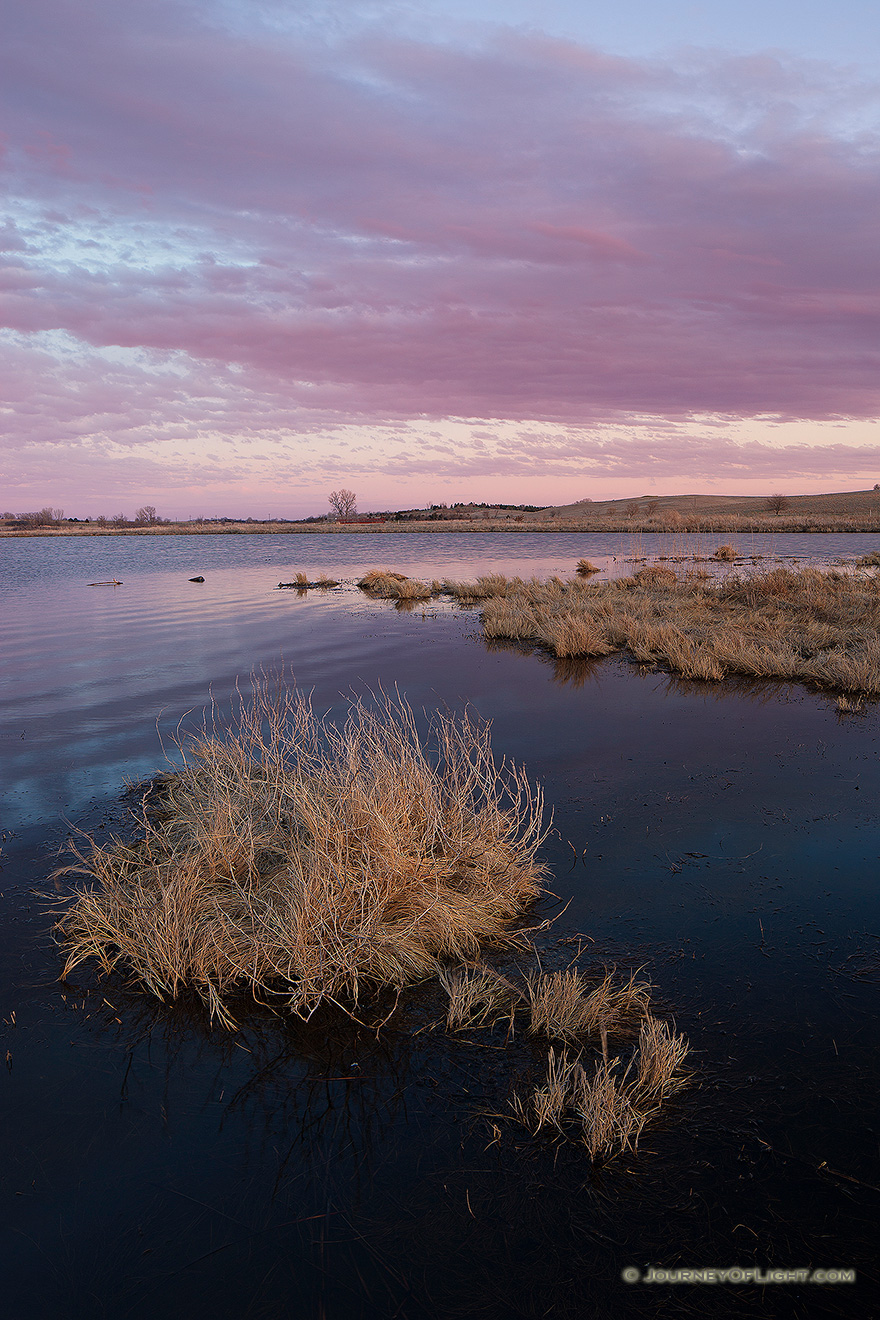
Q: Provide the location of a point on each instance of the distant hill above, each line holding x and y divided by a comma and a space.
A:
754, 506
836, 503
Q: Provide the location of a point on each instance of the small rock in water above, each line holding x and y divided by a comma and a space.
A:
198, 579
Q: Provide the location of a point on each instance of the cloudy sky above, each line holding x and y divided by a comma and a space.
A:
252, 250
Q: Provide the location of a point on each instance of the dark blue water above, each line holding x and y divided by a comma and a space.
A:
725, 838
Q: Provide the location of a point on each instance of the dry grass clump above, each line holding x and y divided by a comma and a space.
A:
608, 1110
300, 859
386, 585
302, 583
819, 628
478, 996
604, 1109
565, 1006
484, 588
584, 568
656, 575
871, 560
726, 552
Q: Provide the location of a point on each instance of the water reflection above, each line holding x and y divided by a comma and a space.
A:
572, 670
155, 1166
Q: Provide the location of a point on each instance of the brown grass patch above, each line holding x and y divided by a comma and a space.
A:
608, 1109
300, 859
386, 585
301, 582
566, 1006
478, 996
584, 568
726, 552
805, 625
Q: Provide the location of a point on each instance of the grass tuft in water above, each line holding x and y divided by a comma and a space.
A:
301, 860
607, 1109
821, 628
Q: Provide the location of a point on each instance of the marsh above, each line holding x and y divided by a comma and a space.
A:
717, 839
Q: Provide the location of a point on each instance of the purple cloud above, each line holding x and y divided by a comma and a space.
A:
379, 229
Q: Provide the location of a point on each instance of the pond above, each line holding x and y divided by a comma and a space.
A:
723, 838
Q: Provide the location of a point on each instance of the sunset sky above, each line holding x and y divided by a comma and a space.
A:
252, 250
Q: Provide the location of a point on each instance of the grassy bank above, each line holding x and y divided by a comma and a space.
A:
300, 861
721, 523
817, 628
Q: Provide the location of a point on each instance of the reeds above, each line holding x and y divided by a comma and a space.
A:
727, 553
299, 859
564, 1006
584, 568
821, 628
607, 1109
393, 586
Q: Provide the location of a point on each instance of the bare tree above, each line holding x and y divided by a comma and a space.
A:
631, 509
146, 517
343, 502
42, 517
776, 503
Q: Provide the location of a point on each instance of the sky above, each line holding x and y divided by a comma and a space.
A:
255, 250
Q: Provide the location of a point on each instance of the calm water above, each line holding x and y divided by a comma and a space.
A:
725, 838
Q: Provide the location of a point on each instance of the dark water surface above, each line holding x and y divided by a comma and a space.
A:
723, 837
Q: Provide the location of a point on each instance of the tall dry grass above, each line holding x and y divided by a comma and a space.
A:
566, 1006
301, 859
478, 996
393, 586
816, 627
607, 1109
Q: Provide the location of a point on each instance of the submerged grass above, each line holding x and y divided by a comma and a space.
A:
300, 859
816, 627
393, 586
608, 1109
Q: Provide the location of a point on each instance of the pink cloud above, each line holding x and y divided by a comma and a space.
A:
599, 245
380, 229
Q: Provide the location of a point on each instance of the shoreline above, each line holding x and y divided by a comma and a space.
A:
813, 524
